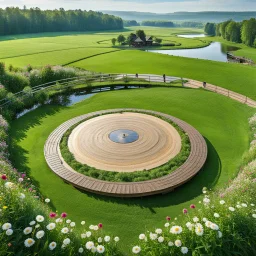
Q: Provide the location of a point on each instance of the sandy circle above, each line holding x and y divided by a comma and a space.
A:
158, 142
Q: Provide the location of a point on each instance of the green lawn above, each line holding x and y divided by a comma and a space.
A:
62, 48
235, 77
222, 121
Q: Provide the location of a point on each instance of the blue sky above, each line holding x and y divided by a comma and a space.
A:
160, 6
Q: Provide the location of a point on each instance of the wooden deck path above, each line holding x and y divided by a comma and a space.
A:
233, 95
167, 183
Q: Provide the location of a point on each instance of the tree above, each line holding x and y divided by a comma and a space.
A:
210, 29
158, 40
223, 28
140, 33
233, 32
249, 32
120, 39
217, 31
113, 40
130, 39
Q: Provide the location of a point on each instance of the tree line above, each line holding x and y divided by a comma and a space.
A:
168, 24
238, 32
20, 21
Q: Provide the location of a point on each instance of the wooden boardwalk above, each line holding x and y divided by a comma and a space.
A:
213, 88
165, 184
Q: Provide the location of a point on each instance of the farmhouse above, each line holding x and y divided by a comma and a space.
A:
139, 41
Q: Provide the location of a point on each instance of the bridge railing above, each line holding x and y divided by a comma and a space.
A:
90, 79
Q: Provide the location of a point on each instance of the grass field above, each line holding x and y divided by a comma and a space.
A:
62, 48
222, 121
235, 77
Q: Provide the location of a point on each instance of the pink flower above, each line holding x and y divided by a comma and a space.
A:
100, 225
168, 218
4, 177
23, 175
30, 189
63, 215
192, 206
185, 211
52, 215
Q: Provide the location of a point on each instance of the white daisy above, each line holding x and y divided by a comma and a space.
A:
100, 249
142, 236
176, 230
83, 236
199, 230
81, 250
47, 200
6, 226
100, 240
214, 226
136, 249
27, 230
65, 230
32, 223
160, 239
189, 225
167, 224
159, 231
89, 245
39, 234
39, 218
254, 215
52, 246
107, 239
68, 221
216, 215
29, 242
184, 250
83, 222
72, 224
116, 239
219, 234
66, 241
178, 243
21, 196
9, 232
222, 202
51, 226
88, 233
153, 236
170, 243
195, 219
232, 209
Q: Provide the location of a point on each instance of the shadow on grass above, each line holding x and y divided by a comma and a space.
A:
18, 132
207, 177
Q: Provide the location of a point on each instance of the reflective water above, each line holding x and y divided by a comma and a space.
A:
192, 35
215, 51
123, 136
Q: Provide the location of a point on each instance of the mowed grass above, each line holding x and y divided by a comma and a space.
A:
62, 48
61, 57
222, 121
236, 77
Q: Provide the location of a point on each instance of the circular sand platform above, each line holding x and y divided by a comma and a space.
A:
124, 142
181, 175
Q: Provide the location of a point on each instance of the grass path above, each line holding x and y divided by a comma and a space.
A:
222, 121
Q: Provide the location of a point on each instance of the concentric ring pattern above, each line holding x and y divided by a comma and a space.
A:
158, 142
181, 175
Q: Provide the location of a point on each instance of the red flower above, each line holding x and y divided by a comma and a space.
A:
63, 215
185, 211
100, 225
168, 218
192, 206
4, 177
52, 215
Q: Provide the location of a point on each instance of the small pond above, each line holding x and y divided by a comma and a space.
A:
73, 98
215, 51
192, 35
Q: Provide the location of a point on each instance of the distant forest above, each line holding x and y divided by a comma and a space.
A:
34, 20
163, 23
238, 32
215, 17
